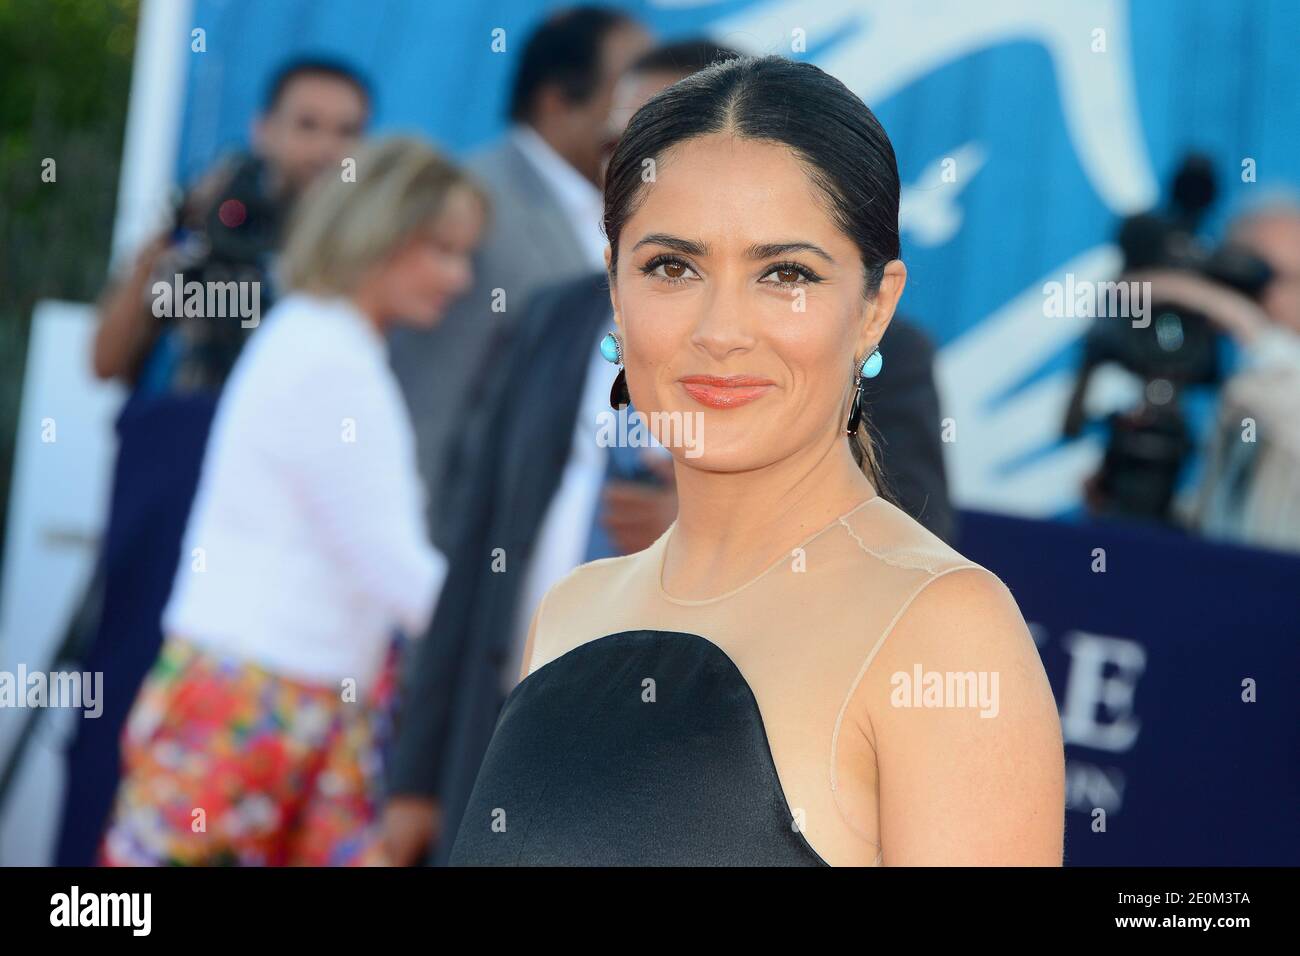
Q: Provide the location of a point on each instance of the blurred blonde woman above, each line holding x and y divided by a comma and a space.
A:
253, 742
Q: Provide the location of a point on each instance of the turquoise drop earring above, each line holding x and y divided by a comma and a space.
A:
873, 364
870, 368
611, 348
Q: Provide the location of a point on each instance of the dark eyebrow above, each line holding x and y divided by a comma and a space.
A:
770, 250
759, 250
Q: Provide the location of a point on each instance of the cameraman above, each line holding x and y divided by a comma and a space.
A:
227, 228
1249, 492
315, 113
1241, 292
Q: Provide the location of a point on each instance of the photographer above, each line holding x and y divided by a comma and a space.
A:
1248, 492
225, 233
315, 113
1198, 298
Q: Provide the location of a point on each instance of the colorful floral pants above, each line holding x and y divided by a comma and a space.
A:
225, 763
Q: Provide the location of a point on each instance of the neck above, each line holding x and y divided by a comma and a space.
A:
367, 304
733, 525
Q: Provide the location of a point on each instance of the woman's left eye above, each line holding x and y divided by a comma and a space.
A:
791, 273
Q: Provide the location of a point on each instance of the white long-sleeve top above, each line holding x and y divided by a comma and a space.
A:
306, 545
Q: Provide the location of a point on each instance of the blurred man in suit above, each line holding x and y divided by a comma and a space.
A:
539, 495
543, 179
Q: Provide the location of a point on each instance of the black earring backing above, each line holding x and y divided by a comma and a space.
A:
855, 410
619, 398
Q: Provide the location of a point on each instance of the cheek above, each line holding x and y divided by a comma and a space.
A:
656, 336
816, 356
304, 149
423, 270
808, 343
406, 282
653, 332
1283, 300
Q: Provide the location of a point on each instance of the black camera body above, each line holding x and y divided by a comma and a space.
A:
228, 236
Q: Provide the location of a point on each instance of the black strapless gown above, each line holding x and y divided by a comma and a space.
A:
643, 748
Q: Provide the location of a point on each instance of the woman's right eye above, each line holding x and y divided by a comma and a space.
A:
668, 268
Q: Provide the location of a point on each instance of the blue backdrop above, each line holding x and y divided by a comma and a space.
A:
1053, 119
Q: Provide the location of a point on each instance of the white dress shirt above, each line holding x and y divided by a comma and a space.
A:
582, 202
306, 544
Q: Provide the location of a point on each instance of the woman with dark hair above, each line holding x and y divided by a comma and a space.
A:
796, 672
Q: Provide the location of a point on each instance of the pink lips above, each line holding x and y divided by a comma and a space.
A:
729, 391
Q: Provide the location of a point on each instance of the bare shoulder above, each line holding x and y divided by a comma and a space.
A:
967, 606
965, 729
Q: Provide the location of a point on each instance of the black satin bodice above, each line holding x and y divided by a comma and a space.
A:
643, 748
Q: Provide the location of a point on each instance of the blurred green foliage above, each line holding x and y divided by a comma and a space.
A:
65, 74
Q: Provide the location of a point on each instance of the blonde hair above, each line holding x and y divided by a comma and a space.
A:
340, 229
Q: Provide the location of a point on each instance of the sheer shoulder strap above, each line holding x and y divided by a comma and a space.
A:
886, 535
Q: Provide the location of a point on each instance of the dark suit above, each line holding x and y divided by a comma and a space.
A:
510, 464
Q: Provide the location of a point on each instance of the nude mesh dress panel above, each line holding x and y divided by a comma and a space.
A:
802, 639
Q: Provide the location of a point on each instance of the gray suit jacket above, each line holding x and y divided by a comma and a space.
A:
443, 372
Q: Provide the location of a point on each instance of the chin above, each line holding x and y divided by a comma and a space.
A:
720, 449
724, 462
423, 319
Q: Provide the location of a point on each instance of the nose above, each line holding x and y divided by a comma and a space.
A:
725, 323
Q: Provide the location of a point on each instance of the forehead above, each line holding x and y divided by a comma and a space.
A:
729, 190
319, 90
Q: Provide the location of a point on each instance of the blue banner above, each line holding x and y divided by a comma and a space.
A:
1174, 663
